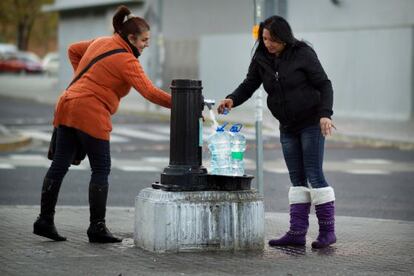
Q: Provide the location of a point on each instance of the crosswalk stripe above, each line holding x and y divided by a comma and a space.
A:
249, 133
278, 170
166, 130
46, 136
368, 172
370, 161
6, 166
156, 159
31, 157
134, 165
140, 134
78, 168
122, 134
118, 139
160, 129
139, 169
39, 135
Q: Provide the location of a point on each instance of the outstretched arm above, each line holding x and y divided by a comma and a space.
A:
136, 77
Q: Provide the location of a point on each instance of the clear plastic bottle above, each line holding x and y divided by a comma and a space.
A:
238, 147
220, 150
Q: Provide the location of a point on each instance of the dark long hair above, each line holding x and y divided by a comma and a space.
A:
135, 25
279, 30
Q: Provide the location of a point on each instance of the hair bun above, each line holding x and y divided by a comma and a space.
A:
119, 17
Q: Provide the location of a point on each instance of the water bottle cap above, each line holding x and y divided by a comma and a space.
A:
221, 128
236, 128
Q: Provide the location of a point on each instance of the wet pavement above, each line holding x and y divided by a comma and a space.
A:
365, 246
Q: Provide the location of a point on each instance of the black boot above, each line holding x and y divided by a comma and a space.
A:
44, 225
97, 231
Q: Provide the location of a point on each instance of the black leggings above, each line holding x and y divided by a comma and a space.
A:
97, 150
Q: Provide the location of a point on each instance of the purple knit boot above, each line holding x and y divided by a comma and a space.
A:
326, 219
299, 223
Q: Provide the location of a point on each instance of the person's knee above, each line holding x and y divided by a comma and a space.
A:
100, 175
318, 182
57, 171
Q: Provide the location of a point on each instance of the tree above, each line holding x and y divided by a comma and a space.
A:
18, 17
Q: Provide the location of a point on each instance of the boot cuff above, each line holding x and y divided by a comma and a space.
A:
322, 195
299, 194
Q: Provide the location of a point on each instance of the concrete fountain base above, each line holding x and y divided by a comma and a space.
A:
199, 221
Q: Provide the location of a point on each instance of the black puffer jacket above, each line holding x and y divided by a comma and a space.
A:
299, 91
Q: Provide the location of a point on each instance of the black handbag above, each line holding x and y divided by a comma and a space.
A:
79, 153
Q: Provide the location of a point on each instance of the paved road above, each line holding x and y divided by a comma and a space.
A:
369, 182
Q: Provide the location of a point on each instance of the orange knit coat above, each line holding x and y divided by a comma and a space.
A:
89, 103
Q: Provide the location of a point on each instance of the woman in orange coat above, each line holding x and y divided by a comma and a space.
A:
83, 117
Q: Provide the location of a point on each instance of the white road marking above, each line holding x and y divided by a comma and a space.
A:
119, 139
46, 136
370, 161
368, 172
139, 169
31, 157
79, 167
156, 159
39, 135
249, 133
6, 166
160, 129
140, 134
278, 170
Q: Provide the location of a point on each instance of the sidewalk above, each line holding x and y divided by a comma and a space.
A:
365, 247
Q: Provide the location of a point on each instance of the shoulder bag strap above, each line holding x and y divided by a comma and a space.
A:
95, 60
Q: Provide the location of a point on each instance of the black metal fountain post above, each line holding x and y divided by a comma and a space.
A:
185, 169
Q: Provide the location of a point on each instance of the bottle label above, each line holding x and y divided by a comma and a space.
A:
236, 155
200, 132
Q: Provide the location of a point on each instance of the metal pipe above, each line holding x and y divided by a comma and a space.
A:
258, 14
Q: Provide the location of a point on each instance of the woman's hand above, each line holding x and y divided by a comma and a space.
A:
326, 126
225, 104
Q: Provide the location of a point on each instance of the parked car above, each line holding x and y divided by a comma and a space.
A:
20, 62
32, 62
51, 63
9, 63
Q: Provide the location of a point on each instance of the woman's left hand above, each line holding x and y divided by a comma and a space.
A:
326, 126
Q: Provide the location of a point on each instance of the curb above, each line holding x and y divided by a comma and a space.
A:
11, 143
372, 142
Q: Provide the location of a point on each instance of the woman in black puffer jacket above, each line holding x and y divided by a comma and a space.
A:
300, 96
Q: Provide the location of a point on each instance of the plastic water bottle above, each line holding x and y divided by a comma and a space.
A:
220, 150
238, 146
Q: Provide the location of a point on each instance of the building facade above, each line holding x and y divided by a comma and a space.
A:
365, 46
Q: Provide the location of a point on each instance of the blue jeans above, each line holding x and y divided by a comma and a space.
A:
97, 150
303, 153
